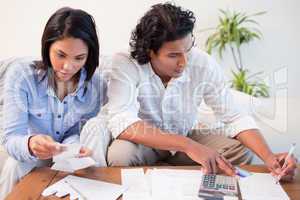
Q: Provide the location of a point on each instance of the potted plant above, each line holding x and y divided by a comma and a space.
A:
233, 31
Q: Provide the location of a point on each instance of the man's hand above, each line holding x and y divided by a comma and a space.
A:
275, 162
211, 160
43, 147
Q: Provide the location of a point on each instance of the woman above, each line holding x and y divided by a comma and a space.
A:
46, 102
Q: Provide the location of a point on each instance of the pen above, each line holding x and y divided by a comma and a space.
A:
76, 190
286, 160
241, 172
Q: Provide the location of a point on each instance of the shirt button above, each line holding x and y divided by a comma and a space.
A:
39, 114
65, 102
58, 116
57, 132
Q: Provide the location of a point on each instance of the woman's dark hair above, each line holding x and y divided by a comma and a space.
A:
162, 23
76, 23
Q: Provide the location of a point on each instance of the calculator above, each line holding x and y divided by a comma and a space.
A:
215, 187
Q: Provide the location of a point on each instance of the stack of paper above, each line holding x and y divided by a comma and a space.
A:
261, 186
158, 184
175, 184
137, 183
161, 184
85, 189
68, 160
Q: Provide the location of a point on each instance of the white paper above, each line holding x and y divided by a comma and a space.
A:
138, 187
69, 162
73, 164
90, 189
81, 163
71, 151
62, 166
175, 184
158, 184
261, 186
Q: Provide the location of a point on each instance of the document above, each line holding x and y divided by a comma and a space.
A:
73, 164
137, 183
175, 184
161, 184
85, 189
69, 162
261, 186
69, 151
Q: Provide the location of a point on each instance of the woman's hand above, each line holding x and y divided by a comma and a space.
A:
43, 147
275, 163
210, 159
84, 152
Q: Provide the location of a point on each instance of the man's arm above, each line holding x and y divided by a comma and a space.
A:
124, 123
255, 141
143, 133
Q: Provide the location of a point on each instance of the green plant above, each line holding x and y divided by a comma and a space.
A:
244, 83
233, 31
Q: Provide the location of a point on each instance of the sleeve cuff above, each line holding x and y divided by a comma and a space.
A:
119, 123
71, 139
26, 153
241, 124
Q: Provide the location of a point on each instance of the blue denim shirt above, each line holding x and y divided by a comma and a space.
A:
32, 107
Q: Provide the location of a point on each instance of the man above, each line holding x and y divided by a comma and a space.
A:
154, 94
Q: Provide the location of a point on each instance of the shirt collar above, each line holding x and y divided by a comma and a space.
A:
183, 78
150, 70
45, 88
82, 85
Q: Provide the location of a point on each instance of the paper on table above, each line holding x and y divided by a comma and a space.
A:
161, 184
91, 189
60, 189
175, 184
135, 180
261, 186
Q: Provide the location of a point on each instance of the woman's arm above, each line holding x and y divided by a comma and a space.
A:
18, 84
15, 112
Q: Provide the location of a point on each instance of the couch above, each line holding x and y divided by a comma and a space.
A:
3, 67
209, 122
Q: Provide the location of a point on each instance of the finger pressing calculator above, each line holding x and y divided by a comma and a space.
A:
215, 187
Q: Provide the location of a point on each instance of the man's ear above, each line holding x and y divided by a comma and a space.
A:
151, 54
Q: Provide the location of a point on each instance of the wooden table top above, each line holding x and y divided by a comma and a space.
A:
32, 185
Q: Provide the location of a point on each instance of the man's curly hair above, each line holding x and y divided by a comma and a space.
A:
162, 23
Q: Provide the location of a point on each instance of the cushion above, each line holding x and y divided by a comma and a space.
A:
4, 65
3, 68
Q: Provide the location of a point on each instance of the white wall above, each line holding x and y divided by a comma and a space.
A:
22, 23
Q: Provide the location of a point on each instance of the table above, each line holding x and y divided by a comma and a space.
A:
32, 185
